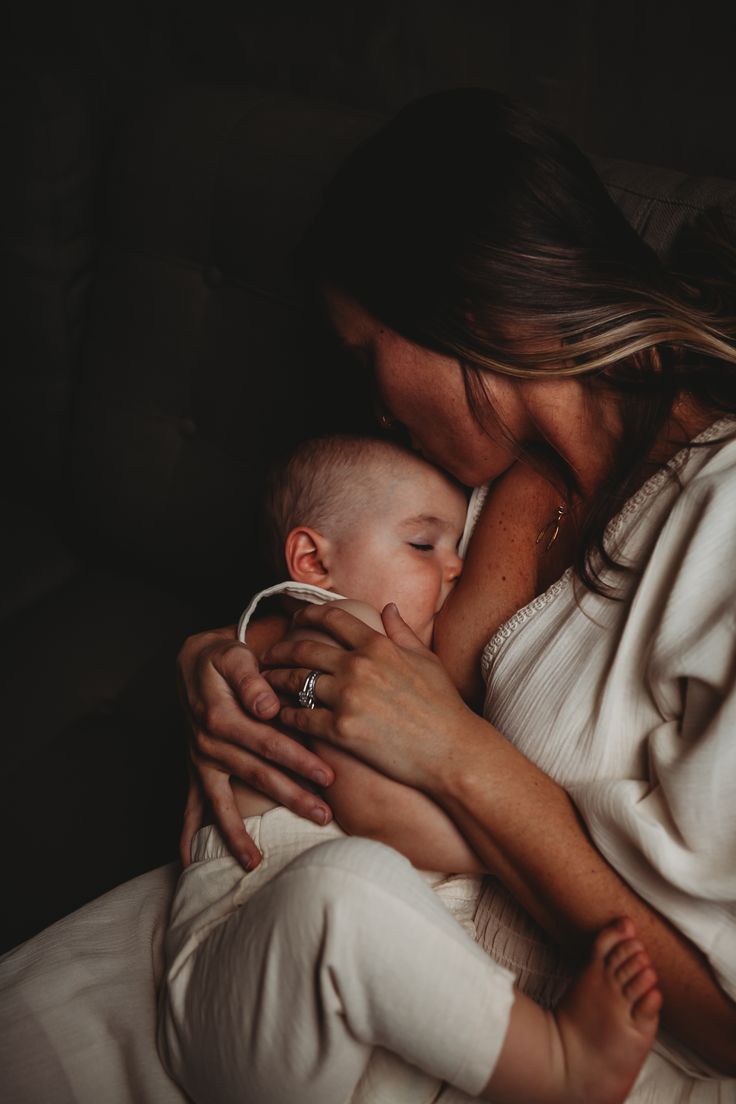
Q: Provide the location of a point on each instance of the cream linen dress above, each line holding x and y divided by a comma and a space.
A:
631, 706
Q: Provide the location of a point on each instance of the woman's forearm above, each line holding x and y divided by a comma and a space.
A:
525, 829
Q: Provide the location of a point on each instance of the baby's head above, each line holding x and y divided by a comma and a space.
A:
369, 520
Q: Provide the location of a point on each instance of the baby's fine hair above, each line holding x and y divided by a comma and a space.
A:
324, 484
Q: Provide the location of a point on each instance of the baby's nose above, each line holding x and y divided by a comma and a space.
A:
454, 567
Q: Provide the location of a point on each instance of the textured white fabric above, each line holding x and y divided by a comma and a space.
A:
78, 1003
631, 706
281, 983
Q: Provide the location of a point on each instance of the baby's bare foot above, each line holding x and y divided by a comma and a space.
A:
608, 1019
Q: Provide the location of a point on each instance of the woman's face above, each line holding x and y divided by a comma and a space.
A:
425, 392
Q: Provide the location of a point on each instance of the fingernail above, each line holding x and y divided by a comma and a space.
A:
319, 815
248, 862
320, 778
264, 703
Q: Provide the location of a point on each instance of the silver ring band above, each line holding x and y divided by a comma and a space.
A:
306, 695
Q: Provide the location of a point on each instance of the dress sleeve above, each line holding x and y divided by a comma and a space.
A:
672, 836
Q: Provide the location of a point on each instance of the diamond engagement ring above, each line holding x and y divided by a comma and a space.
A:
306, 694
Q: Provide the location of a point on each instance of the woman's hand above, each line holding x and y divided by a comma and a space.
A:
231, 711
389, 700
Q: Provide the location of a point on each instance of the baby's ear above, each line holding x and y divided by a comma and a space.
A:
307, 557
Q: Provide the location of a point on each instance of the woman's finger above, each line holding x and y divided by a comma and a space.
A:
239, 668
291, 680
317, 723
310, 655
398, 631
193, 818
217, 786
232, 752
270, 780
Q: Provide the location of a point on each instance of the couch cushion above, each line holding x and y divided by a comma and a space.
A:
659, 202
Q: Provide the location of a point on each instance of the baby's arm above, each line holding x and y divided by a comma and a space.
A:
367, 803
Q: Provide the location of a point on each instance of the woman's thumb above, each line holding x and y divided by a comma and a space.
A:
398, 630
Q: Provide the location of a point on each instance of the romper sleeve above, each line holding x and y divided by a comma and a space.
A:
672, 835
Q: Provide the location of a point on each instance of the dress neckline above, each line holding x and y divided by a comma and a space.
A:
648, 488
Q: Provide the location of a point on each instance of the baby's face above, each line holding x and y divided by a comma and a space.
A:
403, 549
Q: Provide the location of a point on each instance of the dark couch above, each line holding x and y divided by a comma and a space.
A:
157, 358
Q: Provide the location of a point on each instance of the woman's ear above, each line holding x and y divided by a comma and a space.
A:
307, 555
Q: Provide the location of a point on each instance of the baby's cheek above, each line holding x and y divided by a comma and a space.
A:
425, 632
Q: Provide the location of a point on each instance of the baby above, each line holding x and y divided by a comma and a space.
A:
364, 522
365, 518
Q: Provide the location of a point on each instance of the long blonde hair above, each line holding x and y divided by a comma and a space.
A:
471, 227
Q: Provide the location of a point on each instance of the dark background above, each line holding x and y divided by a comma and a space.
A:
101, 576
644, 81
647, 82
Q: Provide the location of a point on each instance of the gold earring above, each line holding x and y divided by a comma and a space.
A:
554, 525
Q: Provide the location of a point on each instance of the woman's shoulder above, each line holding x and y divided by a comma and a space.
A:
705, 474
718, 448
692, 563
702, 470
520, 495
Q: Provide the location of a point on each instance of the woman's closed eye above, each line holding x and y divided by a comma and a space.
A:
422, 547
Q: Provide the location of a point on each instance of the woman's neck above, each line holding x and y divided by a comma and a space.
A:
687, 420
589, 442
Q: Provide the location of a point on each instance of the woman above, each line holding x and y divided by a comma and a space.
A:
520, 331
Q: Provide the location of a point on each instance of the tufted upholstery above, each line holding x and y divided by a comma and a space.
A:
158, 358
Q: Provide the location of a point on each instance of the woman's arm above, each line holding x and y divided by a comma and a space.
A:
527, 830
522, 825
504, 568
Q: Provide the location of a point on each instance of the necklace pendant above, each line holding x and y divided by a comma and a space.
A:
553, 525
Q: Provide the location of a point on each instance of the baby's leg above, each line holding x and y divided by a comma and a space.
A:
347, 949
591, 1048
